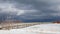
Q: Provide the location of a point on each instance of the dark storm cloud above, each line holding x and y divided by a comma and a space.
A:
31, 10
44, 6
48, 9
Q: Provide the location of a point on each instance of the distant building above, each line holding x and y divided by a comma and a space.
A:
58, 22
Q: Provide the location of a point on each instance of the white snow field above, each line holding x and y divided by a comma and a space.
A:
37, 29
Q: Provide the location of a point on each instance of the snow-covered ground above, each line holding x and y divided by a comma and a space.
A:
37, 29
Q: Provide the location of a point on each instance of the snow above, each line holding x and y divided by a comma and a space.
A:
37, 29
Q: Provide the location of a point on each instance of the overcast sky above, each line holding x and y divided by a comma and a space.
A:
30, 10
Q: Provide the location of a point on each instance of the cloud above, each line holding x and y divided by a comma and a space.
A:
47, 9
11, 8
50, 7
31, 9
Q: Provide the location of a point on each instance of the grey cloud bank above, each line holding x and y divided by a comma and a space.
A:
30, 10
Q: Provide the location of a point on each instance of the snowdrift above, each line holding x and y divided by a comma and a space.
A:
37, 29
